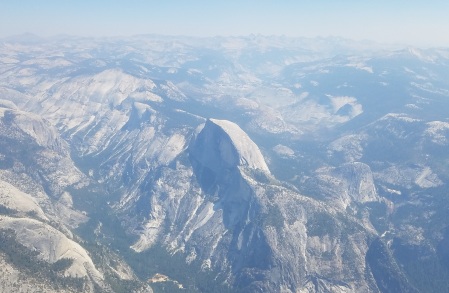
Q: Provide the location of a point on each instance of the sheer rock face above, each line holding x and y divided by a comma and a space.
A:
224, 145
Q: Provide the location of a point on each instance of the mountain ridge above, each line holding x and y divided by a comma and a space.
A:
313, 171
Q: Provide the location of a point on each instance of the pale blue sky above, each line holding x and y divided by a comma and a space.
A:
411, 22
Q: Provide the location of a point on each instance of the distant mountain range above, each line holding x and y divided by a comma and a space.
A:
227, 164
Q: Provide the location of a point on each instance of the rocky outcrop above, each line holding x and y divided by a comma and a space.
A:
347, 184
35, 173
222, 144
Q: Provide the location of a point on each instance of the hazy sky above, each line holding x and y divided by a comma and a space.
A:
411, 22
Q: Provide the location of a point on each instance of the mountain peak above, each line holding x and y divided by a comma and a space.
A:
222, 143
248, 152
